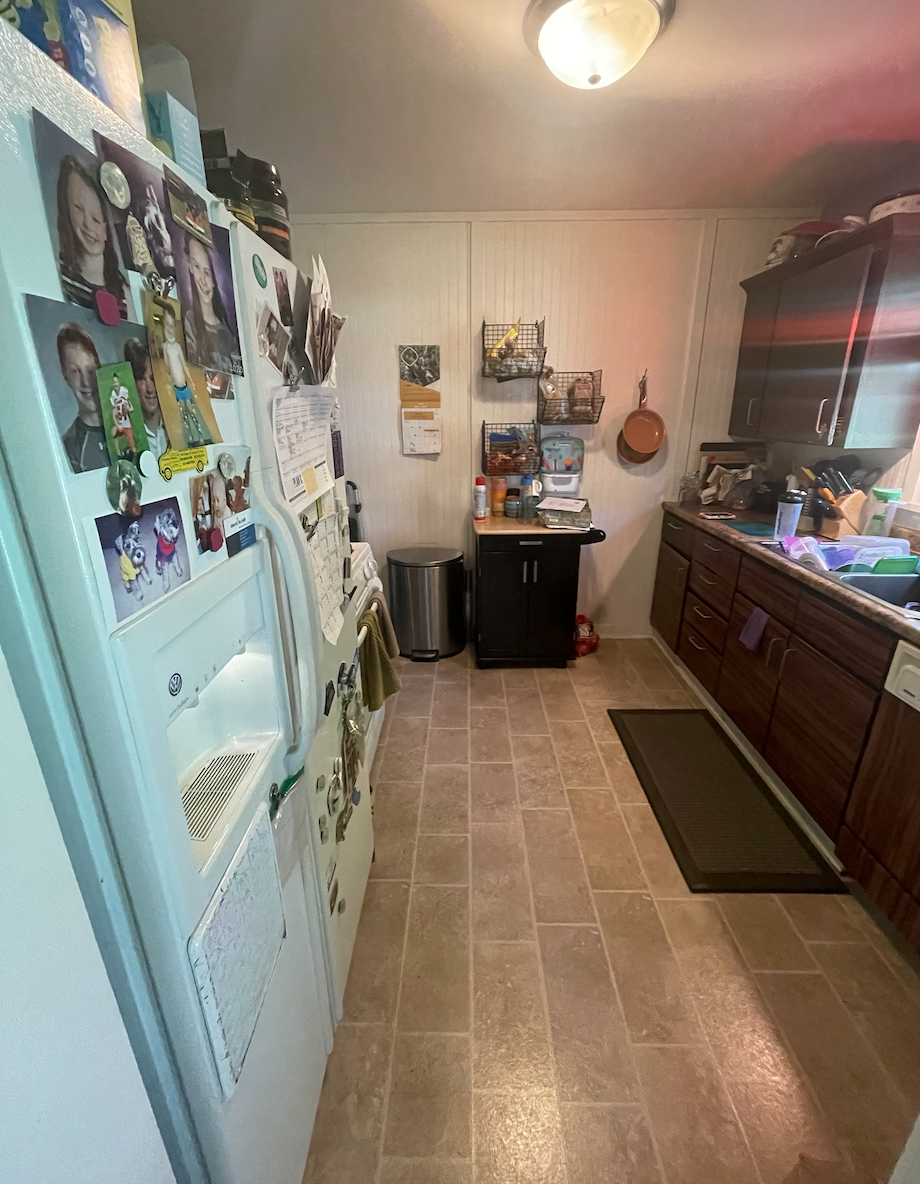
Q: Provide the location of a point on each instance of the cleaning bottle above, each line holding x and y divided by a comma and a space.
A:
479, 500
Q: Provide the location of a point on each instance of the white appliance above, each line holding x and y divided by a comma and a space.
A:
903, 679
166, 737
337, 787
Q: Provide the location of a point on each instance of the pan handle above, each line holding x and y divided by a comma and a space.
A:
643, 389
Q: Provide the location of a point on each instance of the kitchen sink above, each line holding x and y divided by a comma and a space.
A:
900, 592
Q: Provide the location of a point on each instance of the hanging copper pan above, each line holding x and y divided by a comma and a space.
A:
644, 430
630, 456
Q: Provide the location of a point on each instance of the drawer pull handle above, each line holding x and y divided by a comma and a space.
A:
525, 572
710, 547
821, 407
773, 641
751, 405
535, 568
711, 583
782, 665
531, 543
674, 526
699, 612
696, 645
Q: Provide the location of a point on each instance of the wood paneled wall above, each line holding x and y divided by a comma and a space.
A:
620, 292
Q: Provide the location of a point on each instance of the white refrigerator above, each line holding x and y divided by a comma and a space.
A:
167, 730
337, 788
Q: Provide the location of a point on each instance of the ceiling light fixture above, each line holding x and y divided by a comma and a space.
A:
591, 43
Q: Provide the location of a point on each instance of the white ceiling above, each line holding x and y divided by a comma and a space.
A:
424, 105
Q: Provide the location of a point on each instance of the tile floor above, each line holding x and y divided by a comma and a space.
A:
536, 997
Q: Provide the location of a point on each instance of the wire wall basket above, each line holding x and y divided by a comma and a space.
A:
578, 398
512, 351
509, 448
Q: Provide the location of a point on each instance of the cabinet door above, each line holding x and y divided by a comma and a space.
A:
753, 358
553, 581
747, 684
819, 725
502, 599
813, 339
884, 808
668, 598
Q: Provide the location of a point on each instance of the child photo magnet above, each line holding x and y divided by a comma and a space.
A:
220, 505
72, 346
79, 218
146, 557
121, 412
205, 279
136, 203
181, 387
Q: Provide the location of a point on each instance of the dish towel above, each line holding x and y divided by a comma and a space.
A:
752, 634
378, 675
386, 623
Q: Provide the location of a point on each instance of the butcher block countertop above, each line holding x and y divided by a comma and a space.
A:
831, 589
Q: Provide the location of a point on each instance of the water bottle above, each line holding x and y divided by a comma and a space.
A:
528, 499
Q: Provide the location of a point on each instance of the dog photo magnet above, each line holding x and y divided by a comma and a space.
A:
143, 558
123, 488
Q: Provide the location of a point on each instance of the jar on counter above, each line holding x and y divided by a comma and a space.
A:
513, 504
498, 490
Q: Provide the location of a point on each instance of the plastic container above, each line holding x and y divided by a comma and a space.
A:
883, 505
788, 513
498, 492
480, 512
893, 546
529, 499
513, 505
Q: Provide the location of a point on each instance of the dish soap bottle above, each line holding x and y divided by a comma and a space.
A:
479, 500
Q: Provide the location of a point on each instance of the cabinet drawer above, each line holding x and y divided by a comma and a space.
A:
527, 545
719, 557
668, 598
678, 535
857, 645
747, 683
711, 588
698, 655
777, 594
704, 620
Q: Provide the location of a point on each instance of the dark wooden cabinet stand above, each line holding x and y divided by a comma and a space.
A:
526, 594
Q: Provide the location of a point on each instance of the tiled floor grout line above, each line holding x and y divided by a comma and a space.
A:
693, 1004
388, 1086
469, 960
804, 1077
600, 930
541, 976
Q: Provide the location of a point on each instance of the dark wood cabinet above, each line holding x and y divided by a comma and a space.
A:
828, 349
720, 558
753, 361
813, 339
884, 808
775, 593
818, 729
858, 646
679, 535
706, 621
699, 656
668, 596
526, 597
714, 589
748, 679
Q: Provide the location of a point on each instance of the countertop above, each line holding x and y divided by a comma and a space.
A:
872, 610
499, 524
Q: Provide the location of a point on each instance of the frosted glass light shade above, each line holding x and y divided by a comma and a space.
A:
591, 43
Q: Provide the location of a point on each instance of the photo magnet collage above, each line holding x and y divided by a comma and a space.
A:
131, 365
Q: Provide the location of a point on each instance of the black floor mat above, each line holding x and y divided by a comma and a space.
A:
726, 829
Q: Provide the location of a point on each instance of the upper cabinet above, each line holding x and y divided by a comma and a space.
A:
830, 348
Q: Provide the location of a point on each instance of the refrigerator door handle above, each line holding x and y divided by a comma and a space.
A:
299, 632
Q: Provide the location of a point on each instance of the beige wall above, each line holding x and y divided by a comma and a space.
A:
620, 292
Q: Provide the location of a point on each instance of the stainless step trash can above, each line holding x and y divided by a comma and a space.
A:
426, 601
